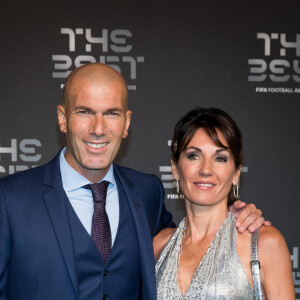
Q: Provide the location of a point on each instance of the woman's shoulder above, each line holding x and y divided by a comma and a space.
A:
276, 267
270, 238
161, 239
272, 252
271, 244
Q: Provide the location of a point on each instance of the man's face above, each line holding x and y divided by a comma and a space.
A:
95, 122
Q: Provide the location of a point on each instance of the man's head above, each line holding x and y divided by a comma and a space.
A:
95, 118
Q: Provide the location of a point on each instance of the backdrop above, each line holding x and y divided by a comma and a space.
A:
241, 56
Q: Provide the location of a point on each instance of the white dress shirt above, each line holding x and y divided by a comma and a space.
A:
82, 200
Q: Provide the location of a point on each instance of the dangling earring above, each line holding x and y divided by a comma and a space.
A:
235, 189
177, 186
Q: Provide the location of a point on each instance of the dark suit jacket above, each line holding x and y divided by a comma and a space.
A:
36, 251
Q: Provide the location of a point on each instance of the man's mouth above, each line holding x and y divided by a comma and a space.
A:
96, 146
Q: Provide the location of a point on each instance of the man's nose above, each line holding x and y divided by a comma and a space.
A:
98, 125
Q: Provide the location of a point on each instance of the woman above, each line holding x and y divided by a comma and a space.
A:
205, 257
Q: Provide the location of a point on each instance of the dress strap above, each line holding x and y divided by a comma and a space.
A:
255, 265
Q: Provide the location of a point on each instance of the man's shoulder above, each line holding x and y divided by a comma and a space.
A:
134, 174
35, 174
22, 184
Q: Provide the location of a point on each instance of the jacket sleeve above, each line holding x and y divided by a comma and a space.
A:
5, 245
164, 217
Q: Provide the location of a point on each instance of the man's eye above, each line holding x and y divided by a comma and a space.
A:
83, 112
112, 113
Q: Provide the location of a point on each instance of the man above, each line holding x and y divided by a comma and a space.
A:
46, 213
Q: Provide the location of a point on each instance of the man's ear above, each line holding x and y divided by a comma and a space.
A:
127, 123
61, 117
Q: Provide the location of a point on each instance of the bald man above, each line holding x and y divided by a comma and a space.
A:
48, 220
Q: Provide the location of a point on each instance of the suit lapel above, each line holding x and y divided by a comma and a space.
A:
134, 197
55, 201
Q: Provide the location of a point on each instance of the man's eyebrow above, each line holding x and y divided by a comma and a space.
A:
115, 109
81, 107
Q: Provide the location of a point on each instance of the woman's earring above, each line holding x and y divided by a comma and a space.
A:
235, 189
177, 186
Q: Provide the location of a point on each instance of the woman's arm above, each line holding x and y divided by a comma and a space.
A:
160, 240
276, 267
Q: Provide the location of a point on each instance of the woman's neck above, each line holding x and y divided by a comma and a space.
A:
202, 221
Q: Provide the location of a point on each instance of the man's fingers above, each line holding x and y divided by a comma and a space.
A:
249, 216
239, 204
267, 223
248, 210
251, 225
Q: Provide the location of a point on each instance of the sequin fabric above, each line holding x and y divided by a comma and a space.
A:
220, 274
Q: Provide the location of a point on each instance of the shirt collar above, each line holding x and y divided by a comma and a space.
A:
72, 180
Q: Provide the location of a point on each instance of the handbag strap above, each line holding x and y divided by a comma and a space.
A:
255, 266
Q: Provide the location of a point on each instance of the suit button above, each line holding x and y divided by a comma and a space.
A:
105, 272
105, 297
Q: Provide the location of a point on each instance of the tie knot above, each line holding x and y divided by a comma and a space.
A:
99, 190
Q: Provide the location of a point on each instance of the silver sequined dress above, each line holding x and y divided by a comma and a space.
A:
220, 274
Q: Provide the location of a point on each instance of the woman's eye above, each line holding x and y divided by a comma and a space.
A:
192, 156
221, 159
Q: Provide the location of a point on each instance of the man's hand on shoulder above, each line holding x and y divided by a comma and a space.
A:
248, 217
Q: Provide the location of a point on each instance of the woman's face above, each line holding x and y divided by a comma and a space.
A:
205, 171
